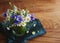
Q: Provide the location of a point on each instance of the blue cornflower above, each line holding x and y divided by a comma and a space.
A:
16, 22
14, 16
32, 17
19, 18
5, 14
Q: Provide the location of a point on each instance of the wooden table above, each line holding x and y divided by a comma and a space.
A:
48, 11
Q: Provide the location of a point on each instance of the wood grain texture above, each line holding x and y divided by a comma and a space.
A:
48, 11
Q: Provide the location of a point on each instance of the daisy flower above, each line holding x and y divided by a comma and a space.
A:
27, 19
23, 23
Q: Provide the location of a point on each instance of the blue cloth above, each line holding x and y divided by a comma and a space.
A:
11, 38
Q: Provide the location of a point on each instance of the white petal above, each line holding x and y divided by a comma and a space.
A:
33, 32
34, 25
23, 23
8, 28
27, 32
28, 19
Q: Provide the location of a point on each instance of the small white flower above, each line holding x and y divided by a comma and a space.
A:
23, 23
8, 28
34, 25
27, 19
27, 32
33, 32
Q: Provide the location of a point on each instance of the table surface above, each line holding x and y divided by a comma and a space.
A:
47, 11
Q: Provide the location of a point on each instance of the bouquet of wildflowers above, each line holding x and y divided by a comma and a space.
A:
19, 25
18, 20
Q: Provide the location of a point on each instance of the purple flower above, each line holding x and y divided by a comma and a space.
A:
5, 14
19, 18
16, 22
32, 17
14, 16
